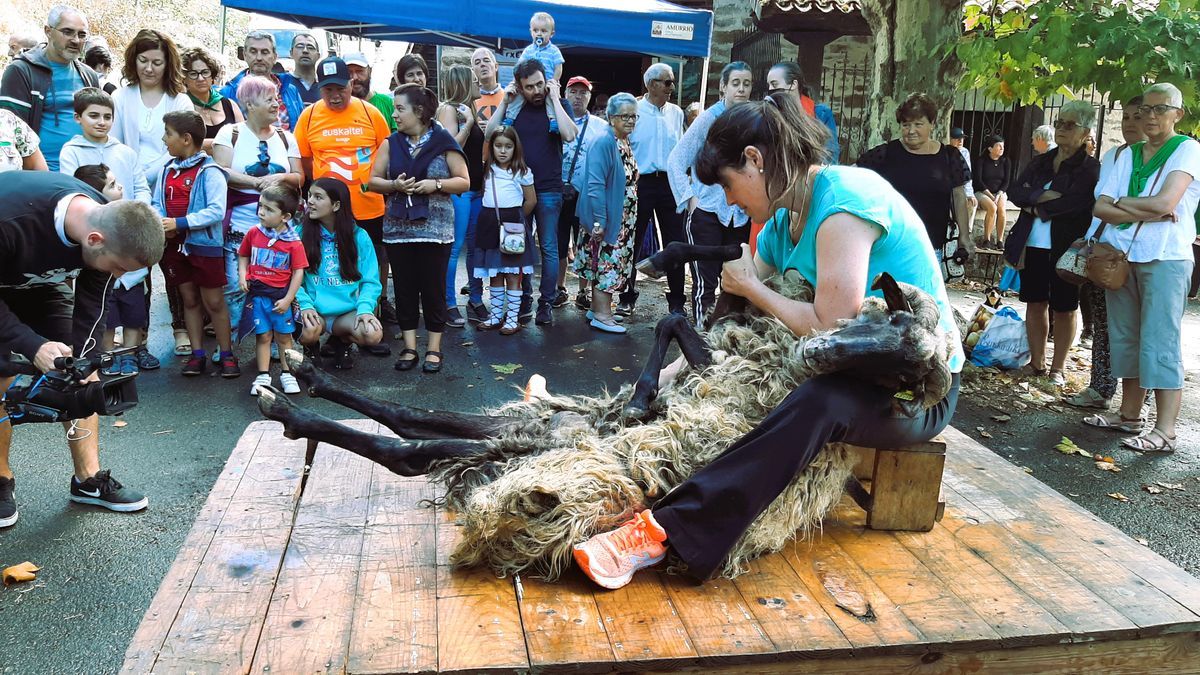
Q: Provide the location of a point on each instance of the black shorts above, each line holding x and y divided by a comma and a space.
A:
374, 229
1040, 283
127, 307
47, 310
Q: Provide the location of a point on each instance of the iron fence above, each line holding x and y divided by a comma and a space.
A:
845, 87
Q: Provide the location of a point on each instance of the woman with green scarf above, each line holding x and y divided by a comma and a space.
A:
201, 72
1149, 203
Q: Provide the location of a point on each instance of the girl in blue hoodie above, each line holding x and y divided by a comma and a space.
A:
341, 286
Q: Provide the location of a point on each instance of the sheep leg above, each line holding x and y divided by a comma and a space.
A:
404, 421
678, 253
693, 346
406, 458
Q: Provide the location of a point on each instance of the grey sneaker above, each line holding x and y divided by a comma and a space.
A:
1088, 399
105, 491
8, 502
455, 318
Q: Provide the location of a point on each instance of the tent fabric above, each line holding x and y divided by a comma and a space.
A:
648, 27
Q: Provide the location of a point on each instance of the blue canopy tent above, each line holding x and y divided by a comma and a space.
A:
650, 27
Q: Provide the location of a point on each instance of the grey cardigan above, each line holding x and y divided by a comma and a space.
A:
603, 196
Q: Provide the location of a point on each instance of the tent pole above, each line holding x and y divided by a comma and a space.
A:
224, 10
704, 84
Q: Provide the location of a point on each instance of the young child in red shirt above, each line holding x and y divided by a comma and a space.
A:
271, 264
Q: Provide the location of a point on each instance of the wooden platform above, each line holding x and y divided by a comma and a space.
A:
349, 574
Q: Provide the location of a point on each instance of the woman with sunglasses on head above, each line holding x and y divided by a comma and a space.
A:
201, 72
1055, 193
256, 154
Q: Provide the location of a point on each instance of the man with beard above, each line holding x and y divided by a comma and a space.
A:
305, 53
338, 137
543, 154
259, 52
360, 86
483, 63
39, 85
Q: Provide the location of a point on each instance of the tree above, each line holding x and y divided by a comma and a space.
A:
1054, 47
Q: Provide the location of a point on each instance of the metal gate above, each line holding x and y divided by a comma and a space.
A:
760, 51
845, 88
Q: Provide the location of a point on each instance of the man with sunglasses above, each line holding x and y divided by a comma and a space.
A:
39, 85
659, 128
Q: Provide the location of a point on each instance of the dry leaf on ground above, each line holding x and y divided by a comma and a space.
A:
26, 571
120, 423
618, 369
1152, 489
1142, 541
983, 433
1170, 486
1001, 418
1108, 466
1118, 496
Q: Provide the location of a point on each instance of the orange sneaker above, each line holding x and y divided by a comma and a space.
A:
611, 558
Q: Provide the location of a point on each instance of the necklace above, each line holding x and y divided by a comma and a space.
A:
796, 227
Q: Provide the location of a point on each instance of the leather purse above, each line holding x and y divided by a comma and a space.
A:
512, 235
1108, 266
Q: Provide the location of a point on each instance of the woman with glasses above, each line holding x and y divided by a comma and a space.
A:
1149, 203
1056, 195
201, 72
153, 78
607, 209
256, 154
710, 219
928, 173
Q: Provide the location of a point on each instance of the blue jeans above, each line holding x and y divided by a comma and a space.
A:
234, 297
466, 213
549, 206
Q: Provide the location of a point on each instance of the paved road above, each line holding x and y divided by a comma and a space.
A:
100, 570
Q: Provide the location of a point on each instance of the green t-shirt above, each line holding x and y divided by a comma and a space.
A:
902, 250
383, 103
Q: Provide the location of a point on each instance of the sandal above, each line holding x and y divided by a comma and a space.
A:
432, 366
1116, 423
183, 343
407, 364
1153, 441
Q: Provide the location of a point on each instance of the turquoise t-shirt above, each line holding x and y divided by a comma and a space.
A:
903, 250
58, 112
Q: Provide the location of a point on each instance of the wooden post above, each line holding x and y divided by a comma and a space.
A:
906, 486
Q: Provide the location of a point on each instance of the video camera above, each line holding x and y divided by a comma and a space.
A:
62, 395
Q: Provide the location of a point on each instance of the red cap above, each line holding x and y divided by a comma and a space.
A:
579, 79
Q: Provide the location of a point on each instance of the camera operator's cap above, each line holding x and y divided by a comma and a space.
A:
957, 132
579, 79
333, 70
356, 59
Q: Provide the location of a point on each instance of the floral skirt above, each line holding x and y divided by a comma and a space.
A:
607, 265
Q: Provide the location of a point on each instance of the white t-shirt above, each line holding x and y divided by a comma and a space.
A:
1158, 240
1039, 237
151, 128
247, 160
501, 189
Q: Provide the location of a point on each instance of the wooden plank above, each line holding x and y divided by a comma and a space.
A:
1166, 655
642, 624
307, 626
904, 489
821, 560
922, 596
787, 612
717, 618
563, 628
1055, 589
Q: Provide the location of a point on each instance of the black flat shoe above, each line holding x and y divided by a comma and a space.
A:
407, 364
431, 366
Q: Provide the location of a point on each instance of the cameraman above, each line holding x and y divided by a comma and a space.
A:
54, 228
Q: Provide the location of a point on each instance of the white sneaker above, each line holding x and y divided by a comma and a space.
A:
263, 380
290, 385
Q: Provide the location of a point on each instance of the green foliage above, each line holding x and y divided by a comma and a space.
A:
1060, 46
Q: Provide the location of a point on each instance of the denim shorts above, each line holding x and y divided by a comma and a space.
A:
267, 320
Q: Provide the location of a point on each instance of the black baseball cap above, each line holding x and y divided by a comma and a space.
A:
957, 132
333, 70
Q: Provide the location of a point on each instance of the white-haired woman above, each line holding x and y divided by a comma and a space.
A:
609, 199
1056, 195
1042, 139
256, 155
1149, 203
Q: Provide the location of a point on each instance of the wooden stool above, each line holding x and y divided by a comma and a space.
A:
906, 485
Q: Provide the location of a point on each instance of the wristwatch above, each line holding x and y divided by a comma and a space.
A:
437, 185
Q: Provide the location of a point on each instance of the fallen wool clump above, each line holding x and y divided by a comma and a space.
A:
575, 466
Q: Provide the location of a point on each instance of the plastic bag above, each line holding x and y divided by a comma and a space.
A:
1010, 280
1004, 343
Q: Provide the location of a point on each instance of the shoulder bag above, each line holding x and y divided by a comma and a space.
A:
1072, 264
1108, 266
512, 234
569, 191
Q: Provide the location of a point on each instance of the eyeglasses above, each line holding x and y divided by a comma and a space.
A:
1065, 125
306, 48
1160, 109
665, 83
632, 117
72, 34
198, 74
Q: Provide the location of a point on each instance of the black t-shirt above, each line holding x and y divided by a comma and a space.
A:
992, 174
542, 149
33, 253
473, 149
926, 181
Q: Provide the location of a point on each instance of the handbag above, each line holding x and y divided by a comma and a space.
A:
569, 191
512, 234
1108, 266
1072, 264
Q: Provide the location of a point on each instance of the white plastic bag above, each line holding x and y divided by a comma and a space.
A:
1004, 343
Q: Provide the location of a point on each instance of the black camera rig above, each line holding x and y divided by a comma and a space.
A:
62, 394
